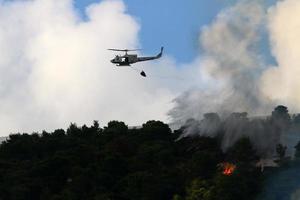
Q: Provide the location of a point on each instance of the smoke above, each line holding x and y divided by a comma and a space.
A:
232, 65
238, 79
236, 76
281, 82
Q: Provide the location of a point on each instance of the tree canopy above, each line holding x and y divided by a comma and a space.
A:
116, 162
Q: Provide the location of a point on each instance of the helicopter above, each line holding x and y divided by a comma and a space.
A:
128, 59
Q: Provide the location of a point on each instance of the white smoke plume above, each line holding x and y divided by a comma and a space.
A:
282, 82
237, 78
231, 63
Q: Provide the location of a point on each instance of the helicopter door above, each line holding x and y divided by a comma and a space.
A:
127, 60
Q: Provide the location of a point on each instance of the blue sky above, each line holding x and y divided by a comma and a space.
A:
173, 24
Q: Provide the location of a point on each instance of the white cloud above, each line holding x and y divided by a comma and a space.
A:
55, 69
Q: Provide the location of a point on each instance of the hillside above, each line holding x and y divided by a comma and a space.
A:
115, 162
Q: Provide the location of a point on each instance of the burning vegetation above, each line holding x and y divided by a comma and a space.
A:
228, 168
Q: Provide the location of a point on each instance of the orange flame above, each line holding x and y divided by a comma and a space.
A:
228, 169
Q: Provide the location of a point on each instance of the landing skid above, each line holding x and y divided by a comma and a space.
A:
123, 65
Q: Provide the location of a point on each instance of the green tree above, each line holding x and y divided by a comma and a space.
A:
198, 190
242, 152
281, 118
156, 130
280, 150
297, 152
115, 127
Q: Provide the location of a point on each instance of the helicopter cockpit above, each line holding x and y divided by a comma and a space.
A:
117, 59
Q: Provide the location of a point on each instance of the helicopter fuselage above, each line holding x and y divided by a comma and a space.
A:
128, 59
125, 60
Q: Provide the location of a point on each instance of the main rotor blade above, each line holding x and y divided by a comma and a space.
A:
124, 50
116, 49
133, 49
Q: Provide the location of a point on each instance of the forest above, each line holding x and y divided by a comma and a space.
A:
120, 163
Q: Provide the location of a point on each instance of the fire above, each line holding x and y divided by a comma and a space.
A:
228, 169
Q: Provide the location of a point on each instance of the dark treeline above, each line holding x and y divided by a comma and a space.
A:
118, 163
150, 162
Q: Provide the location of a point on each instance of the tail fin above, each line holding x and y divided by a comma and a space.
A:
161, 52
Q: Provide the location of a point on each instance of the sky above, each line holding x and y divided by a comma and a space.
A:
173, 24
219, 55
